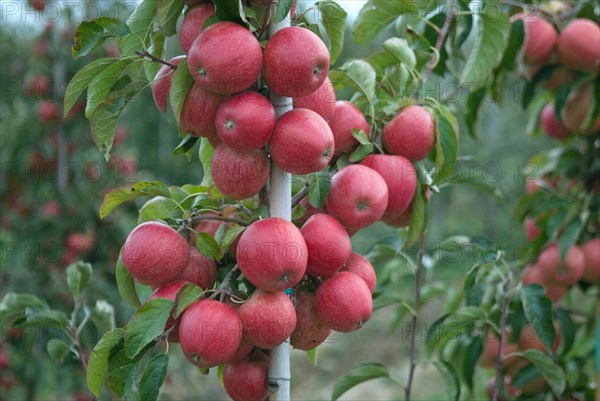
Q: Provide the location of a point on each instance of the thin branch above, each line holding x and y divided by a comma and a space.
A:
219, 218
441, 38
225, 286
413, 338
300, 195
503, 319
155, 59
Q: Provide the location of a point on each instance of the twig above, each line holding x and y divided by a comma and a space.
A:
441, 38
503, 319
300, 195
225, 286
219, 218
155, 59
413, 338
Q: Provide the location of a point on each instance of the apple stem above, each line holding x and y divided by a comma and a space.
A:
503, 319
300, 195
145, 54
225, 287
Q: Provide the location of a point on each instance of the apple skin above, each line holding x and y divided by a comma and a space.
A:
410, 134
531, 229
358, 196
533, 275
528, 339
310, 331
47, 111
591, 253
578, 45
343, 302
38, 85
200, 270
239, 175
169, 291
321, 101
328, 245
38, 5
191, 26
347, 117
551, 125
400, 177
272, 254
247, 380
576, 109
558, 273
225, 69
245, 121
199, 111
268, 318
302, 142
400, 220
296, 62
162, 86
80, 243
489, 356
210, 333
540, 39
361, 266
155, 254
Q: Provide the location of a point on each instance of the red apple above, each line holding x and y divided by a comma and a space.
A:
50, 209
347, 117
47, 111
551, 125
80, 243
540, 39
591, 253
410, 134
578, 45
400, 177
531, 229
528, 339
328, 245
225, 58
561, 273
200, 270
155, 254
191, 26
239, 175
38, 5
296, 62
162, 84
310, 331
272, 254
576, 109
38, 84
361, 266
245, 121
268, 318
321, 101
199, 111
400, 220
358, 196
489, 355
301, 142
247, 380
210, 333
343, 302
169, 291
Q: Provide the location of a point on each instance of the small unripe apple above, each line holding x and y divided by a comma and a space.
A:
321, 101
540, 39
221, 68
343, 302
268, 318
200, 270
576, 109
358, 196
239, 175
310, 331
561, 273
551, 125
302, 142
296, 62
328, 245
247, 380
155, 254
245, 121
162, 84
210, 333
361, 266
579, 45
591, 253
198, 112
169, 291
347, 117
191, 26
410, 134
272, 254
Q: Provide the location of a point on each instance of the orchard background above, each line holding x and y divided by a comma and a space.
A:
462, 274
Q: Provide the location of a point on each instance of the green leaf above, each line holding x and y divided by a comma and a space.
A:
419, 216
167, 14
82, 79
552, 372
140, 24
125, 283
515, 41
207, 246
14, 304
283, 10
446, 149
538, 311
473, 106
570, 235
103, 315
78, 277
229, 10
378, 14
361, 152
318, 188
180, 85
205, 155
98, 362
91, 34
159, 208
187, 295
147, 324
229, 235
493, 29
386, 299
185, 145
333, 18
450, 379
401, 51
156, 48
58, 350
122, 371
358, 75
101, 85
118, 196
472, 353
363, 373
468, 314
47, 317
313, 356
153, 377
568, 329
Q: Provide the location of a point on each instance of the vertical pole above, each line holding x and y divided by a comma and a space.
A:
59, 87
280, 200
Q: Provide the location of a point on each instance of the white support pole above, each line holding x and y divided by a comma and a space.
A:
280, 198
